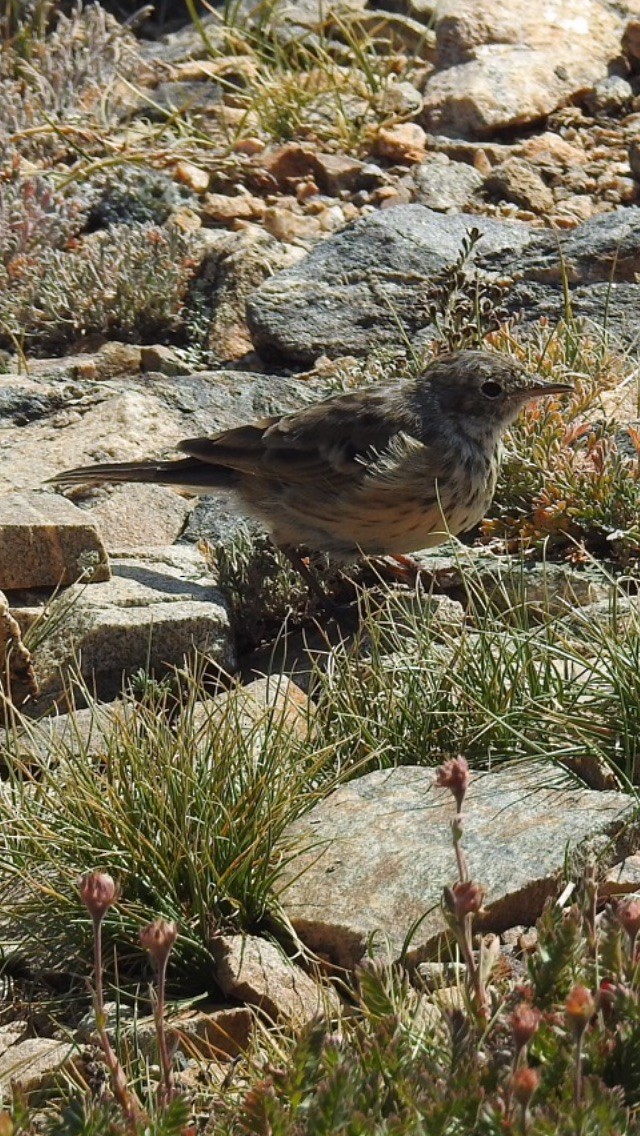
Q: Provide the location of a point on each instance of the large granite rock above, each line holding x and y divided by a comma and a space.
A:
376, 854
354, 291
368, 286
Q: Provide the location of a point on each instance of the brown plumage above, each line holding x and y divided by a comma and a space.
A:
381, 470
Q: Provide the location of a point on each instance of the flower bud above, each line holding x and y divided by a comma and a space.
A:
524, 1083
455, 776
579, 1009
158, 938
464, 898
6, 1123
524, 1022
98, 892
628, 916
606, 998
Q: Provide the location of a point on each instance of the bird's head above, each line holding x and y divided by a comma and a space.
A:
484, 391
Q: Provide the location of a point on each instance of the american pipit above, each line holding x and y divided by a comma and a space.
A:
387, 469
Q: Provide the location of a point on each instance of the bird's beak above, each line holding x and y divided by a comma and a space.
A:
540, 389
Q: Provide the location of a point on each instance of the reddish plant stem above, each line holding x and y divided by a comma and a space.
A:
130, 1105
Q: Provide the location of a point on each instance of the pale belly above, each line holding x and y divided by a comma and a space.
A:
379, 521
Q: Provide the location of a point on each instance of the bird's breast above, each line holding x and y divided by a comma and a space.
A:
405, 502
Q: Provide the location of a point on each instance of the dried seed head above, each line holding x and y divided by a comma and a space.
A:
158, 938
524, 1022
455, 776
98, 892
524, 1083
579, 1009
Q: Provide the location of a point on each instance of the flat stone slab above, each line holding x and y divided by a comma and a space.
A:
158, 610
376, 854
45, 541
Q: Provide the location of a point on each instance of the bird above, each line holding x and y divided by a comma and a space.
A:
382, 470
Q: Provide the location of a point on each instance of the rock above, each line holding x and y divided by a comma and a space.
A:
445, 185
397, 34
573, 211
262, 707
550, 151
503, 65
259, 973
380, 852
296, 20
167, 360
402, 100
578, 27
218, 208
417, 9
217, 519
198, 99
12, 1033
335, 173
23, 399
232, 273
631, 40
32, 1064
403, 143
623, 612
615, 305
110, 360
82, 732
288, 165
355, 291
404, 609
366, 287
505, 582
186, 220
46, 541
218, 1034
156, 611
372, 176
135, 515
634, 157
623, 878
192, 176
515, 180
610, 96
287, 226
591, 252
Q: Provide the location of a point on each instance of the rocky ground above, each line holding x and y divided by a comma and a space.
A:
218, 215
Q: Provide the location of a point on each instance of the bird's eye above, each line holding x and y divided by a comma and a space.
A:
491, 389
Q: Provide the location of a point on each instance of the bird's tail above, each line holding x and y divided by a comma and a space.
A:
190, 474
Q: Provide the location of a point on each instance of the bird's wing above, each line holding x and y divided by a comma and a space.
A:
322, 442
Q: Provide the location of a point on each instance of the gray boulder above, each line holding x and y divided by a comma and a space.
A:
369, 286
